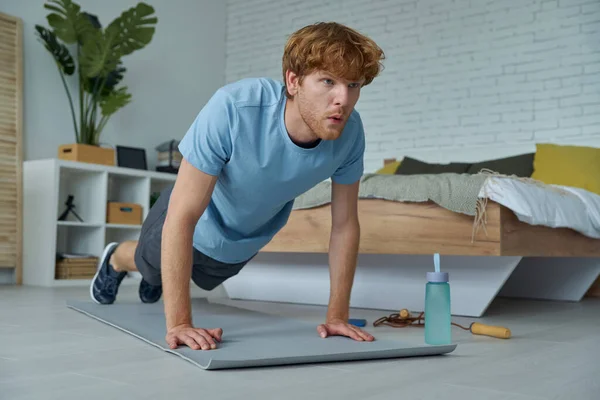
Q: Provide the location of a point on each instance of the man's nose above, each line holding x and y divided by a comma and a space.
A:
341, 95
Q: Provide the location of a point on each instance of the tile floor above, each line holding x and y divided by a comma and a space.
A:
48, 351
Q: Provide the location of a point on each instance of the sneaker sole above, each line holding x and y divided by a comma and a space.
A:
107, 249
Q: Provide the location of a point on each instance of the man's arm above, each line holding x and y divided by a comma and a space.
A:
343, 248
190, 197
343, 251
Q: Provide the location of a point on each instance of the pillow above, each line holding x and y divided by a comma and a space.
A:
575, 166
412, 166
520, 165
389, 168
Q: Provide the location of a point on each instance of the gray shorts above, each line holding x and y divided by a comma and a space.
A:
207, 272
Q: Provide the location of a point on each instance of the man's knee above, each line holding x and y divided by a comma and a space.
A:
205, 282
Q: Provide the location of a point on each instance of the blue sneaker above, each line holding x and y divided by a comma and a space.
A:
149, 293
105, 285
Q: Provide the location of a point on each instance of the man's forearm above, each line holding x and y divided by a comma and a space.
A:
343, 250
176, 270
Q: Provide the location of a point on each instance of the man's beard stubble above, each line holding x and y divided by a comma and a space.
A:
317, 123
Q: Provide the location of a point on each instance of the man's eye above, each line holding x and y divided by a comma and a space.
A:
328, 81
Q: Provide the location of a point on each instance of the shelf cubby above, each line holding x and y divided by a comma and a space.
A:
117, 233
82, 240
47, 184
86, 189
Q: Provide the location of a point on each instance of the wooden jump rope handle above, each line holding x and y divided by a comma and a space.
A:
489, 330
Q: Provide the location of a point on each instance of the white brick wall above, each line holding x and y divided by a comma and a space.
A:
463, 79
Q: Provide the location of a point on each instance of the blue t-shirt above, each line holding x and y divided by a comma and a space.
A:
240, 135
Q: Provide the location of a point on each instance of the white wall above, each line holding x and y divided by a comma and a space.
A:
464, 79
170, 80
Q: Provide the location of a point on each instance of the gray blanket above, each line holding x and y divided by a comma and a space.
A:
455, 192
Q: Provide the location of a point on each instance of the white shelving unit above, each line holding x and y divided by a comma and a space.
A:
46, 187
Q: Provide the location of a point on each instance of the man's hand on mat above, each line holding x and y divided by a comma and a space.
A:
194, 338
343, 328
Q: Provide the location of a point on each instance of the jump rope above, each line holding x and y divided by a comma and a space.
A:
405, 319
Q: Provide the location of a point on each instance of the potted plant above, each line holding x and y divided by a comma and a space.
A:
97, 68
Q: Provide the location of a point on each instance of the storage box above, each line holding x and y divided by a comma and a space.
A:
123, 213
87, 153
76, 268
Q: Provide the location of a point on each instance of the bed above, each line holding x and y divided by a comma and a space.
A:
394, 227
495, 253
389, 227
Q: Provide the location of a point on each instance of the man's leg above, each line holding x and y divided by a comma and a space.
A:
105, 285
123, 259
208, 273
129, 256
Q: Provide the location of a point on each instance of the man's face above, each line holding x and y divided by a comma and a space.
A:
325, 102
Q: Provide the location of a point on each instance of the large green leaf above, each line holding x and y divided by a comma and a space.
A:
117, 99
58, 50
133, 29
97, 57
70, 25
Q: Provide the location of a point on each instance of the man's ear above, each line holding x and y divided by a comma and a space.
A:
292, 81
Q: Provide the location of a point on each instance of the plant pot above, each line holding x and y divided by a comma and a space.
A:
87, 153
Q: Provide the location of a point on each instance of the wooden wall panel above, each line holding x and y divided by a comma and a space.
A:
11, 123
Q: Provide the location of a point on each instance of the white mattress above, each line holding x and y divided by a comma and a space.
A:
547, 205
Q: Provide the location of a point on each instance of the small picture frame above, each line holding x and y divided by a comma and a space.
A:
131, 157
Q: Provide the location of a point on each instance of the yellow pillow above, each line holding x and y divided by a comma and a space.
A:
576, 166
389, 169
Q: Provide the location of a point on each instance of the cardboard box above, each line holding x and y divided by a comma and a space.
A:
123, 213
87, 153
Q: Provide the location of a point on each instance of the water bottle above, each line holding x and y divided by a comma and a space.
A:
438, 316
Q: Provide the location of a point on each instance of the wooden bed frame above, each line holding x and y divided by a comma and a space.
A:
390, 227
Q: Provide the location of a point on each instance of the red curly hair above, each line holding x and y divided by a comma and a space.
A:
334, 48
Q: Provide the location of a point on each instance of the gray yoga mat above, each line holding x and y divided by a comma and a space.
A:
250, 338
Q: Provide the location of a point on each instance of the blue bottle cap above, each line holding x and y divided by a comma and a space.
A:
437, 277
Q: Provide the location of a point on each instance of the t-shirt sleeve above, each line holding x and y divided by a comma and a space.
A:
353, 168
207, 144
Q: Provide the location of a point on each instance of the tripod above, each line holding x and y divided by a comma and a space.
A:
70, 208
